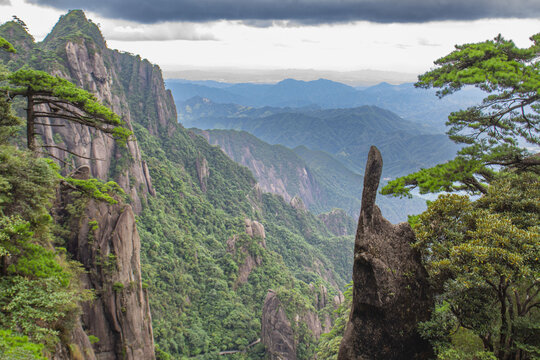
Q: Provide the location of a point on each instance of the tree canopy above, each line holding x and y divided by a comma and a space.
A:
6, 45
53, 97
483, 256
496, 132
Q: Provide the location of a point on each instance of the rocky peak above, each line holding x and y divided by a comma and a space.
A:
253, 229
74, 26
391, 293
203, 172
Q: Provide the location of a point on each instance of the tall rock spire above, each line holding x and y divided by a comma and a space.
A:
391, 290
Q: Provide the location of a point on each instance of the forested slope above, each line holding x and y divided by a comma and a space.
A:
205, 269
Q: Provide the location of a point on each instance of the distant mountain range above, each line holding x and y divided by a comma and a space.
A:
417, 105
346, 134
316, 177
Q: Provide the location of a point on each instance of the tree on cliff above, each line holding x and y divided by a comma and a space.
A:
483, 256
494, 132
52, 97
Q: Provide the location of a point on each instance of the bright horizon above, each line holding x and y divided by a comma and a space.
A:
354, 52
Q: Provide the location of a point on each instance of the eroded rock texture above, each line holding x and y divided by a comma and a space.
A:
391, 291
105, 240
277, 334
254, 229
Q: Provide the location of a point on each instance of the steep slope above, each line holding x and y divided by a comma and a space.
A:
76, 50
317, 178
207, 276
104, 239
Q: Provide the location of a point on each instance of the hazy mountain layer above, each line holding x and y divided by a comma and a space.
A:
346, 134
417, 105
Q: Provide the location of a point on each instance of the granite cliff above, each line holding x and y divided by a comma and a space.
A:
104, 239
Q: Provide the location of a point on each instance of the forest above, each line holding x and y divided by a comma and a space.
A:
203, 267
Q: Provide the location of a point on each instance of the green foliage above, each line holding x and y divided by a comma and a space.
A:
38, 294
97, 189
118, 286
93, 339
40, 308
328, 347
15, 347
74, 26
27, 79
26, 185
6, 46
494, 132
188, 264
484, 260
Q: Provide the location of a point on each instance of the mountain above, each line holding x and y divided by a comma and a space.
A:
316, 177
417, 105
212, 243
346, 134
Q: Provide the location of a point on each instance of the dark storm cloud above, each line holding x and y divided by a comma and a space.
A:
303, 11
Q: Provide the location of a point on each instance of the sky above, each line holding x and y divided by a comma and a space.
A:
353, 41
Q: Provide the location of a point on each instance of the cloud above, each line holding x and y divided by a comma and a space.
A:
262, 12
131, 31
5, 2
425, 42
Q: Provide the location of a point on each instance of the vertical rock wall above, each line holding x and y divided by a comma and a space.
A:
105, 240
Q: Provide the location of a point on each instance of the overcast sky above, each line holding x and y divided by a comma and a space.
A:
398, 38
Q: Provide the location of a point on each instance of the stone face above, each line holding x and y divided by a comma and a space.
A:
391, 292
203, 172
277, 334
104, 239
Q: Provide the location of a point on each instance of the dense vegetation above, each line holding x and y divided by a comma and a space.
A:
315, 176
192, 231
484, 255
39, 286
185, 256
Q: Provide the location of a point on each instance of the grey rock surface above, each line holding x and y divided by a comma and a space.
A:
391, 293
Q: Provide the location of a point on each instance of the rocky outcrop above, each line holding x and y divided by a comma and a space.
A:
203, 172
322, 300
297, 203
391, 293
79, 346
338, 222
104, 239
277, 334
277, 169
132, 87
253, 229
